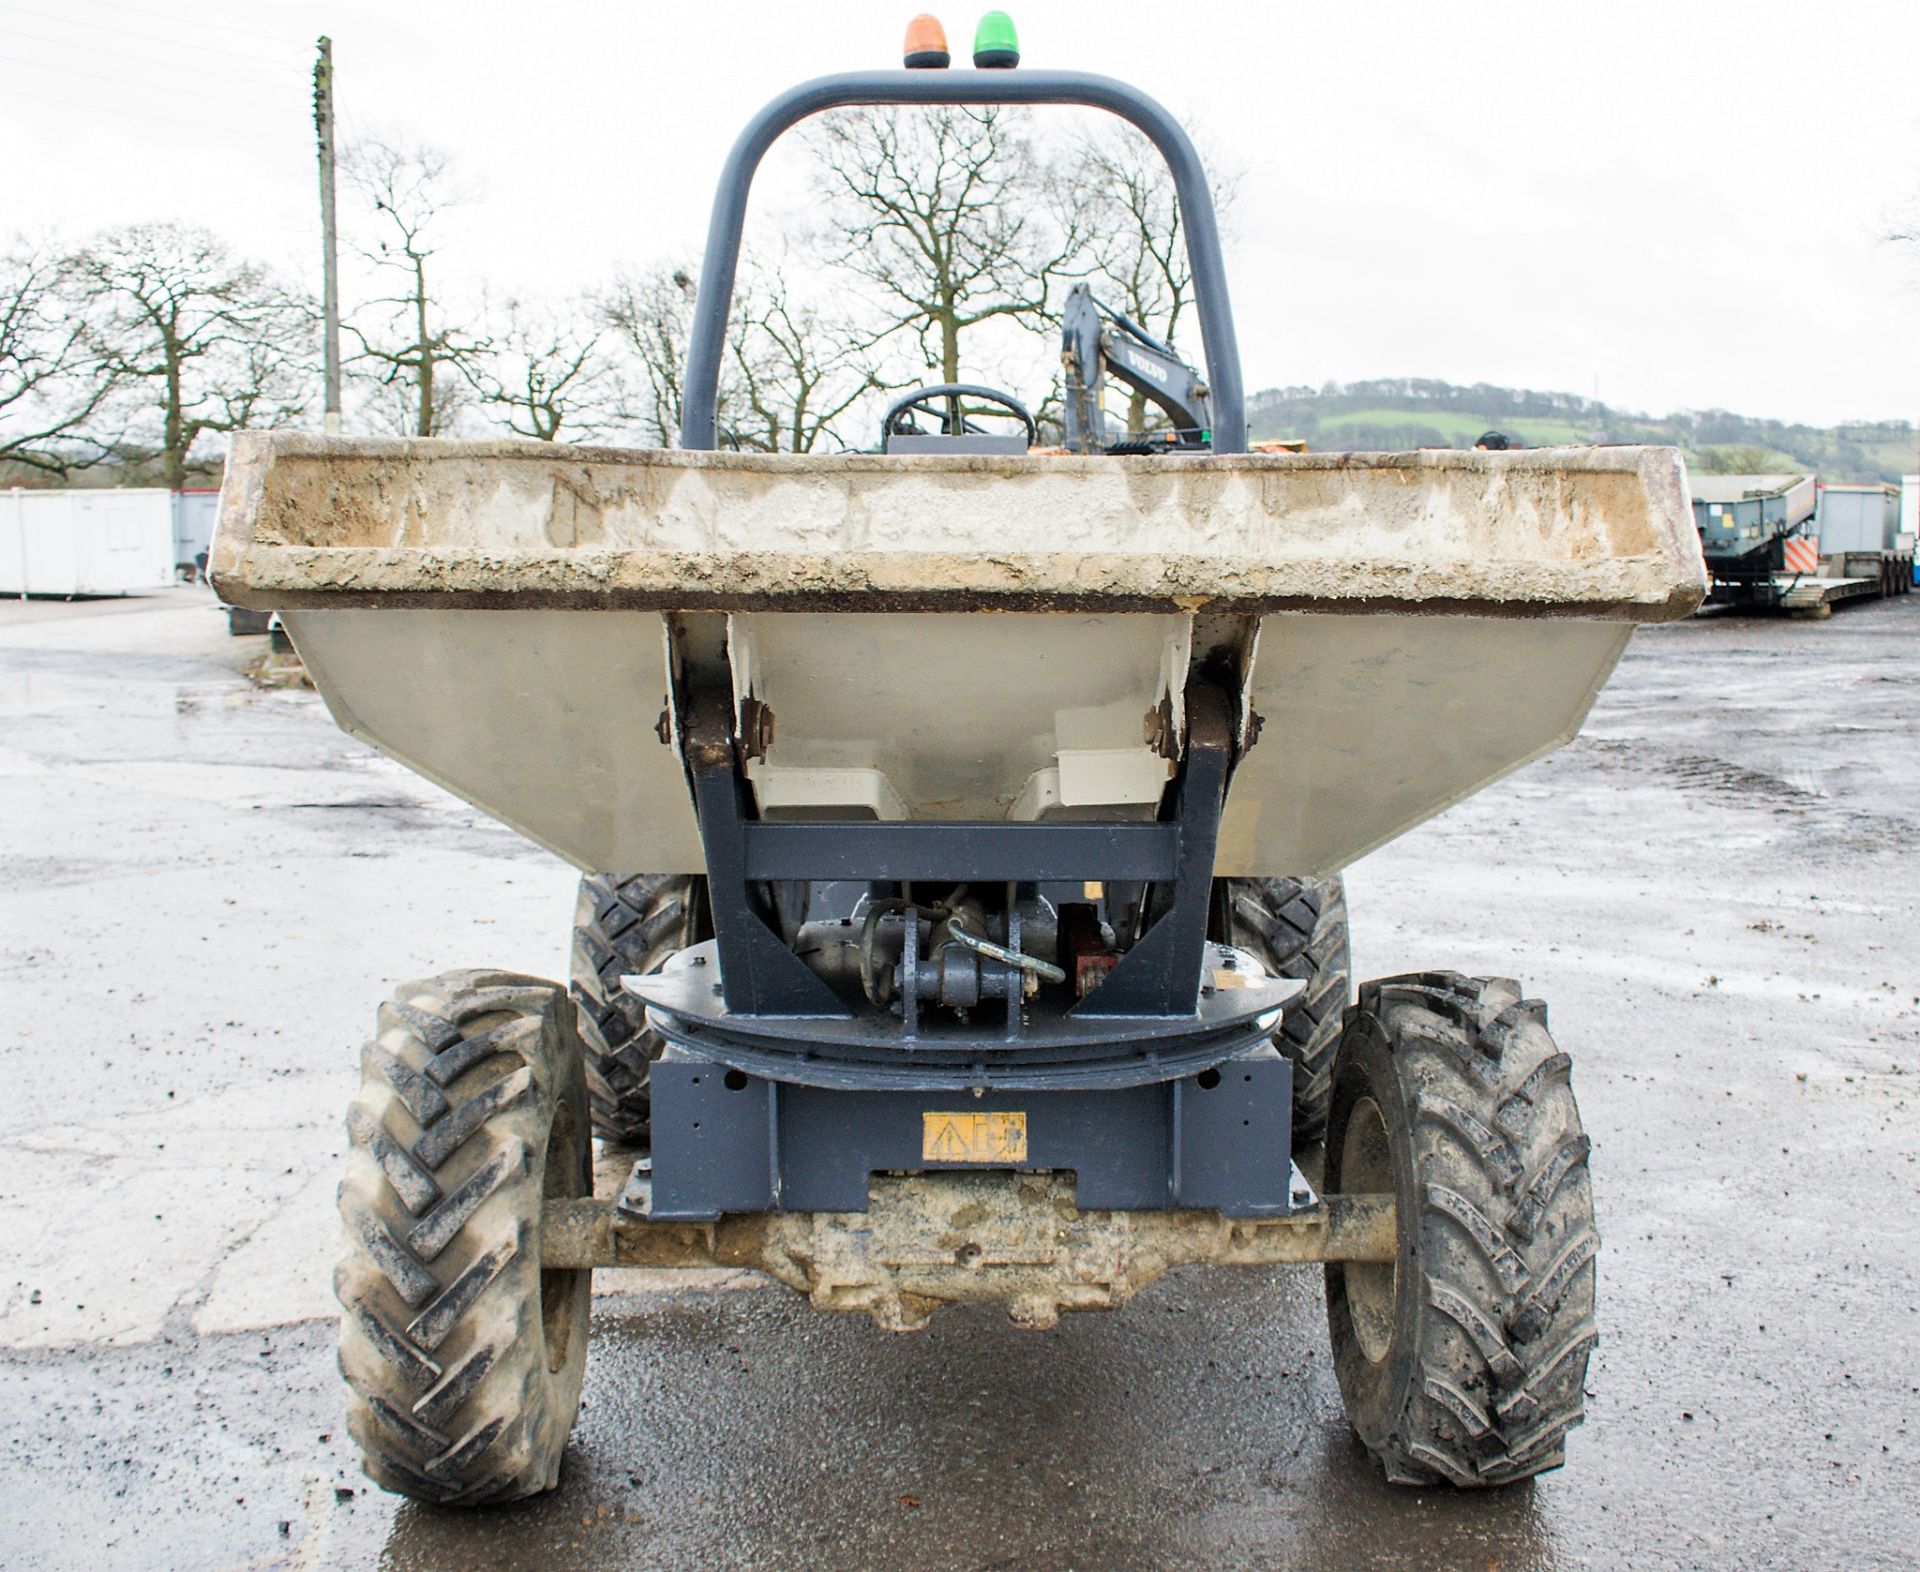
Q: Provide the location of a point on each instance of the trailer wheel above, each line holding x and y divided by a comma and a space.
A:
1299, 928
1465, 1359
463, 1359
626, 926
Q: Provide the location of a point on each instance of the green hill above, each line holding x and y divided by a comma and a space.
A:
1415, 412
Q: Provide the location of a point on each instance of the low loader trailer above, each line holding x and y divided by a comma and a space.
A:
960, 831
1791, 542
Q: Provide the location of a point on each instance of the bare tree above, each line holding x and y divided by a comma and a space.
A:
955, 222
547, 370
1903, 229
1135, 238
936, 208
797, 369
650, 314
52, 384
790, 369
407, 342
215, 342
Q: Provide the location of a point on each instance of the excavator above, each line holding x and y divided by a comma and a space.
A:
1097, 341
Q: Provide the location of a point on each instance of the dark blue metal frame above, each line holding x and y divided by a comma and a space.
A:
961, 849
726, 1142
1159, 975
699, 426
1048, 1047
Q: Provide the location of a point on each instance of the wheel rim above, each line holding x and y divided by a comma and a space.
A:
559, 1290
1366, 1168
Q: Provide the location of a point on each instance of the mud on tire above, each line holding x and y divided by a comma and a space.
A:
620, 926
1464, 1360
1299, 928
463, 1360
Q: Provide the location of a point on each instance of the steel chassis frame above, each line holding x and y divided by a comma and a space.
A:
1157, 1089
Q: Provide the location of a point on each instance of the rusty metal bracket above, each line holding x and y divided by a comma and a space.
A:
1161, 973
761, 975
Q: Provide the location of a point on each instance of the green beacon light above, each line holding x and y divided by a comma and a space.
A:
996, 46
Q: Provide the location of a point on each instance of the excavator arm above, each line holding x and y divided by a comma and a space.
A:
1096, 342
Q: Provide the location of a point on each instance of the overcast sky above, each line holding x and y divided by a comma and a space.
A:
1676, 205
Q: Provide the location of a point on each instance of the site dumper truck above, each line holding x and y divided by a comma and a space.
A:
959, 829
1756, 534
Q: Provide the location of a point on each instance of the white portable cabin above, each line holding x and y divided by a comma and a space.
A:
105, 541
193, 516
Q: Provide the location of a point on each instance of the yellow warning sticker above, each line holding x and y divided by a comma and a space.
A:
973, 1137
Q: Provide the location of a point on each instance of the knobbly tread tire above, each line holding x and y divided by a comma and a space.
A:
626, 926
1299, 928
463, 1360
1492, 1321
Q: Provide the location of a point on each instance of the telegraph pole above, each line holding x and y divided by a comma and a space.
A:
329, 248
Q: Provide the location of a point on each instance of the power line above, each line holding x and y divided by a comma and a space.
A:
149, 86
128, 54
172, 120
162, 16
156, 38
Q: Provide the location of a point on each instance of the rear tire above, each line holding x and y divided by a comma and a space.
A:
1299, 928
625, 927
463, 1359
1465, 1359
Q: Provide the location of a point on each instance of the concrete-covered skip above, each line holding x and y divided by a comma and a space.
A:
1409, 627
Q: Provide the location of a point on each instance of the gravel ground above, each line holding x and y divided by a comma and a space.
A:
204, 888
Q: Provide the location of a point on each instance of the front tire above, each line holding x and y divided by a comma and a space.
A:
463, 1359
1299, 928
1465, 1359
620, 927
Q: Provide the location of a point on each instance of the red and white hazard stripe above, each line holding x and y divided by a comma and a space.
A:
1803, 554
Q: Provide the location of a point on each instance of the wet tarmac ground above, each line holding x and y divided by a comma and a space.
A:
204, 889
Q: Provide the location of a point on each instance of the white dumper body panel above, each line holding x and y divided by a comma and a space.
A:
958, 638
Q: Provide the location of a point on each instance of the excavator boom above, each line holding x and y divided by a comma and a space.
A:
1098, 341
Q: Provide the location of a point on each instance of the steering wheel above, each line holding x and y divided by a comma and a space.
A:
944, 402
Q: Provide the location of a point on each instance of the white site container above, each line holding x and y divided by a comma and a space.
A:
193, 516
107, 541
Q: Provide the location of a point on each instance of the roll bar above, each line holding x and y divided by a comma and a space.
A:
698, 428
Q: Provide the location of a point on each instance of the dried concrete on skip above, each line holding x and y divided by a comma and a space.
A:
309, 521
205, 889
